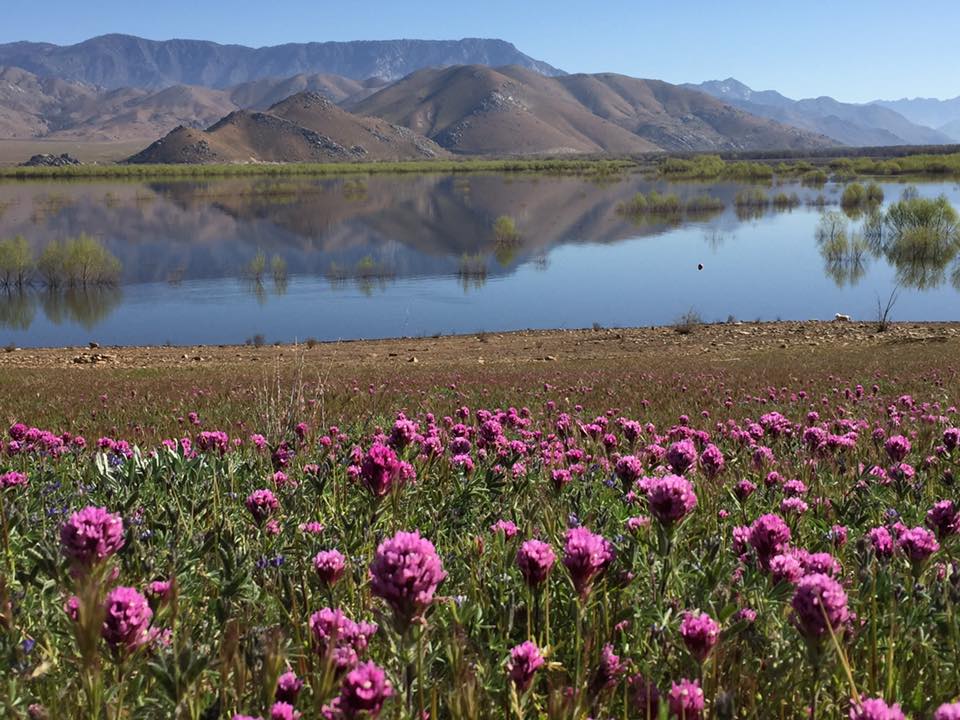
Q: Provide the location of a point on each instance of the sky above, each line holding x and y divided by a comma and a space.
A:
853, 50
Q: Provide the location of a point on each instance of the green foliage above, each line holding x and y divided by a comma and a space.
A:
78, 262
782, 201
257, 266
854, 196
16, 261
657, 205
505, 230
547, 166
753, 198
874, 194
278, 267
706, 167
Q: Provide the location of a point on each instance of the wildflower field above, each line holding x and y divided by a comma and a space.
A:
768, 534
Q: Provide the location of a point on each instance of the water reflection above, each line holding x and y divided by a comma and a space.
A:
251, 249
84, 306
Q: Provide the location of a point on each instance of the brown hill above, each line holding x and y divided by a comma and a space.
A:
48, 108
306, 127
32, 106
138, 115
510, 110
478, 110
261, 94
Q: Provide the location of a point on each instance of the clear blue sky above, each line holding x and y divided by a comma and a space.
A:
854, 50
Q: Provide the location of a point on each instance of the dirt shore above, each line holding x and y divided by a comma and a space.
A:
716, 343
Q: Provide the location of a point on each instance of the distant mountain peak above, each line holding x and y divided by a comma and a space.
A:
847, 123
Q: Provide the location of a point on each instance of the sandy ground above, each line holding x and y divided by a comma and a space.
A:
712, 343
15, 151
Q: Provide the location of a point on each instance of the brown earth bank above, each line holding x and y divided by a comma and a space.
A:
713, 343
146, 393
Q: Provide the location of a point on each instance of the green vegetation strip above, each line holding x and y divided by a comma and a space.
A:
579, 167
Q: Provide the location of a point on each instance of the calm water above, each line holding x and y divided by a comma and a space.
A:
389, 256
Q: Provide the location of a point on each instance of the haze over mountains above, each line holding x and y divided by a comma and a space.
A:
409, 99
872, 124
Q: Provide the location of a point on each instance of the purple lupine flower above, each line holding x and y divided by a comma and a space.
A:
405, 572
948, 711
288, 687
126, 622
686, 700
91, 535
819, 605
918, 544
786, 567
681, 456
628, 469
283, 711
506, 527
768, 536
380, 469
363, 691
330, 566
700, 634
944, 519
12, 479
586, 555
525, 660
340, 638
712, 461
671, 498
897, 447
261, 504
824, 563
608, 671
744, 489
875, 709
535, 560
881, 541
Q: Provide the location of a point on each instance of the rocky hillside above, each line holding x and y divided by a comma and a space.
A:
306, 127
49, 108
114, 61
510, 110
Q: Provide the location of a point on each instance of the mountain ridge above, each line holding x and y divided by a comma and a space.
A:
481, 110
865, 125
118, 60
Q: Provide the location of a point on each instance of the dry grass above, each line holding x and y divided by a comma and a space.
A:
146, 390
13, 152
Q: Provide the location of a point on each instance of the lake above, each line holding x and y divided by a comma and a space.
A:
384, 256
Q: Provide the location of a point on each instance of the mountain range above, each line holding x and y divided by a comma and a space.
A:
868, 125
409, 99
941, 114
53, 108
115, 61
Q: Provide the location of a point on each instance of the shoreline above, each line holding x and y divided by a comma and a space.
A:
718, 340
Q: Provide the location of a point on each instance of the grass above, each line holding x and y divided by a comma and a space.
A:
658, 206
548, 166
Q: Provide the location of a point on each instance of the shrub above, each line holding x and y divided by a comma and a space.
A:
505, 230
874, 194
16, 261
754, 198
854, 196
